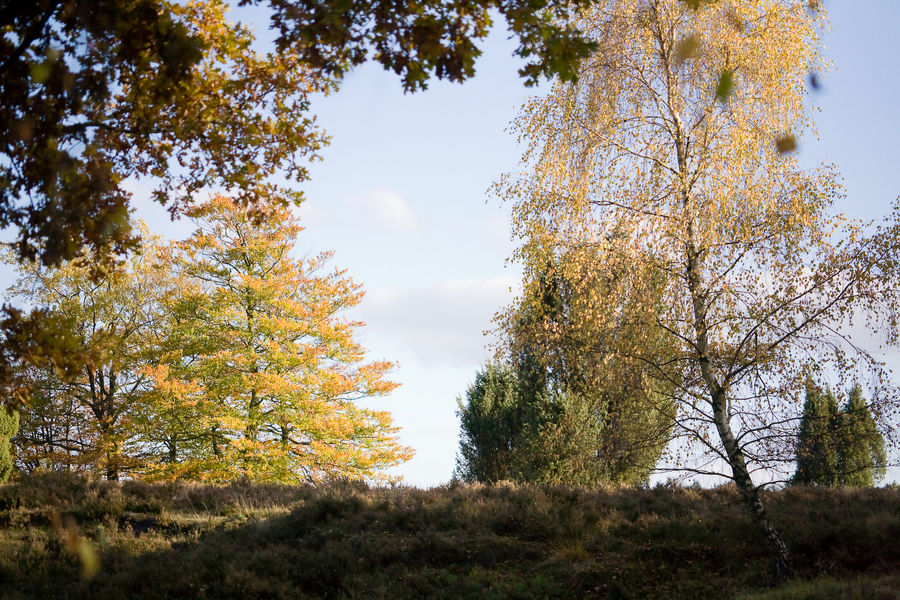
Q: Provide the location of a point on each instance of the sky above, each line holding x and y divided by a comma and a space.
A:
401, 197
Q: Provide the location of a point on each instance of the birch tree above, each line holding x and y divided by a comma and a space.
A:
674, 151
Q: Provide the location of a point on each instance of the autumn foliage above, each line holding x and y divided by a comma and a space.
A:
217, 357
262, 361
672, 152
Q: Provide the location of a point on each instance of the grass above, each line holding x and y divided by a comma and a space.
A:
66, 537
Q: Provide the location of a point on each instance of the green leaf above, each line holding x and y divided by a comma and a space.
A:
696, 4
687, 47
726, 82
786, 143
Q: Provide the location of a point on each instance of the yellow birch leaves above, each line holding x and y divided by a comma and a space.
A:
674, 150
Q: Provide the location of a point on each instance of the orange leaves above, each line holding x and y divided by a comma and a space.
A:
275, 360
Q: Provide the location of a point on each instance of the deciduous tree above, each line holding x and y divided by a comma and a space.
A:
563, 410
93, 93
84, 419
170, 94
55, 432
271, 379
663, 153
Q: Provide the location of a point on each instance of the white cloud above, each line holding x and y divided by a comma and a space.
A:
439, 325
378, 205
391, 208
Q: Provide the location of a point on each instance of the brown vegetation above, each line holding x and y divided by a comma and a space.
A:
346, 540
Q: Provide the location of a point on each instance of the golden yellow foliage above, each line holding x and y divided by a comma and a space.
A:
673, 151
263, 374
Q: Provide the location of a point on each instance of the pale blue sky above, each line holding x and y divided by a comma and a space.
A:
401, 198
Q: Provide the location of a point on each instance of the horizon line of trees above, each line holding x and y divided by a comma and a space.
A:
511, 432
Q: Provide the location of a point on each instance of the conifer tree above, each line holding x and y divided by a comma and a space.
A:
9, 424
490, 426
511, 431
862, 458
817, 443
838, 447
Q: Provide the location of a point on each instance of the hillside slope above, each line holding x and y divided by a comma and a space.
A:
349, 541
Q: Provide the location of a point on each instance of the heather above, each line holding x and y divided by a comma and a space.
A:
348, 540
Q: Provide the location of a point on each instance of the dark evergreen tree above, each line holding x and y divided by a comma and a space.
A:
838, 447
9, 425
490, 426
861, 455
817, 451
509, 431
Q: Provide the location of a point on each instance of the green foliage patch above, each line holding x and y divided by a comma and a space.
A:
9, 425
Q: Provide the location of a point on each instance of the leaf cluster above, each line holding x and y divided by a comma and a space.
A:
93, 94
427, 38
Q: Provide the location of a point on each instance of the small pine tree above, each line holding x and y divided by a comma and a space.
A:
862, 457
490, 424
817, 450
838, 447
9, 425
510, 430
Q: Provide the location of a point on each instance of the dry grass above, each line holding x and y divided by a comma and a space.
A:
346, 540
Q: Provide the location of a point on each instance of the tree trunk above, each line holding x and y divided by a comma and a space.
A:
252, 431
782, 564
782, 567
